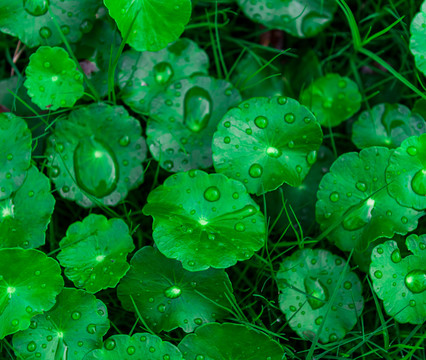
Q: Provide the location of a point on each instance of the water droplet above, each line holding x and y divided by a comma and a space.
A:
415, 281
161, 308
29, 309
91, 328
255, 171
124, 141
319, 320
198, 107
312, 157
163, 73
198, 321
289, 118
227, 140
412, 150
361, 186
199, 357
54, 172
65, 29
418, 183
86, 26
36, 7
151, 349
240, 227
327, 104
273, 152
347, 285
333, 337
45, 32
32, 346
131, 350
33, 325
96, 168
261, 122
173, 292
318, 290
404, 220
334, 197
75, 315
378, 274
396, 256
282, 100
359, 215
15, 322
212, 194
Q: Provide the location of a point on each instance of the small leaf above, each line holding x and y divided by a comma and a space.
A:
71, 329
15, 153
183, 120
143, 75
29, 283
354, 206
139, 346
94, 252
386, 125
332, 98
168, 296
95, 155
150, 24
52, 79
401, 282
307, 280
24, 216
267, 142
229, 341
406, 173
205, 220
299, 18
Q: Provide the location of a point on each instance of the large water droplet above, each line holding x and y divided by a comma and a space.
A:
45, 32
36, 7
212, 194
359, 215
361, 186
163, 73
261, 122
418, 183
318, 290
96, 168
131, 350
273, 152
415, 281
173, 292
76, 315
91, 328
396, 256
255, 171
197, 109
312, 157
32, 346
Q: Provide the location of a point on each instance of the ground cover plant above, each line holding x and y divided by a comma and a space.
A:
212, 180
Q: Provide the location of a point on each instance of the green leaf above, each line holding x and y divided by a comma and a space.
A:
386, 125
406, 173
95, 155
401, 282
150, 24
332, 98
24, 216
229, 341
29, 283
52, 79
94, 252
267, 142
143, 75
32, 23
417, 39
205, 220
183, 120
71, 329
15, 153
299, 18
139, 346
354, 205
307, 281
168, 296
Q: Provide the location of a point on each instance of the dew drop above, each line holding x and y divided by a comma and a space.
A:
168, 164
261, 122
163, 73
359, 215
86, 26
347, 285
415, 281
361, 186
45, 32
161, 308
173, 292
36, 7
273, 152
124, 141
378, 274
199, 357
227, 140
131, 350
412, 150
32, 346
198, 321
198, 107
91, 328
255, 171
333, 337
240, 227
418, 183
319, 320
289, 118
334, 197
312, 157
96, 168
65, 29
282, 100
317, 290
212, 194
396, 256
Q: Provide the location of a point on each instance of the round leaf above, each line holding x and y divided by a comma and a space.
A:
417, 39
354, 206
142, 75
52, 79
229, 341
205, 220
95, 155
150, 24
307, 281
406, 173
386, 125
29, 283
24, 216
72, 328
32, 21
94, 252
139, 346
332, 98
299, 18
168, 296
401, 282
15, 153
267, 142
183, 120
